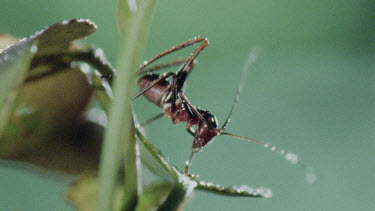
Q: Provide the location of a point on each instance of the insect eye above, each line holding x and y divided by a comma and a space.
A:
213, 121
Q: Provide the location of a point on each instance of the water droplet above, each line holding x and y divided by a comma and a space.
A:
187, 182
22, 39
282, 152
24, 111
132, 5
85, 68
98, 116
37, 33
273, 148
99, 52
265, 192
293, 158
34, 49
82, 20
310, 177
246, 188
266, 145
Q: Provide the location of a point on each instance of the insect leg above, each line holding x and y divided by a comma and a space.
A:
163, 66
184, 71
162, 78
189, 129
193, 109
143, 124
188, 163
166, 52
186, 68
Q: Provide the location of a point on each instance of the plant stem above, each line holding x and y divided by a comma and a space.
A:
119, 136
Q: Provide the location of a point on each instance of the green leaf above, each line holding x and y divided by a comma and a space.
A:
153, 196
34, 108
183, 186
242, 190
14, 63
6, 40
180, 193
82, 194
156, 161
58, 38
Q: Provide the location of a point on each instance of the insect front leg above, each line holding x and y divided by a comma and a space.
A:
193, 109
163, 66
159, 80
142, 69
148, 121
190, 130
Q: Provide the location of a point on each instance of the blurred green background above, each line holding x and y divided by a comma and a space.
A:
311, 91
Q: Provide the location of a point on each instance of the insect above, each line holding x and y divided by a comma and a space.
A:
171, 98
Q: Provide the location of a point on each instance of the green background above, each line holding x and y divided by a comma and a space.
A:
311, 91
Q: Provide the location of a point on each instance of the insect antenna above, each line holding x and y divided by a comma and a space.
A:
250, 60
310, 176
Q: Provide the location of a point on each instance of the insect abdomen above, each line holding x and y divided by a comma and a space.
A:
156, 93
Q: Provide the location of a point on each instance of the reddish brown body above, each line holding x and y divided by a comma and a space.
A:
160, 94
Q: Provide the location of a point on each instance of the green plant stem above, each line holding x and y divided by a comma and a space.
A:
119, 136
